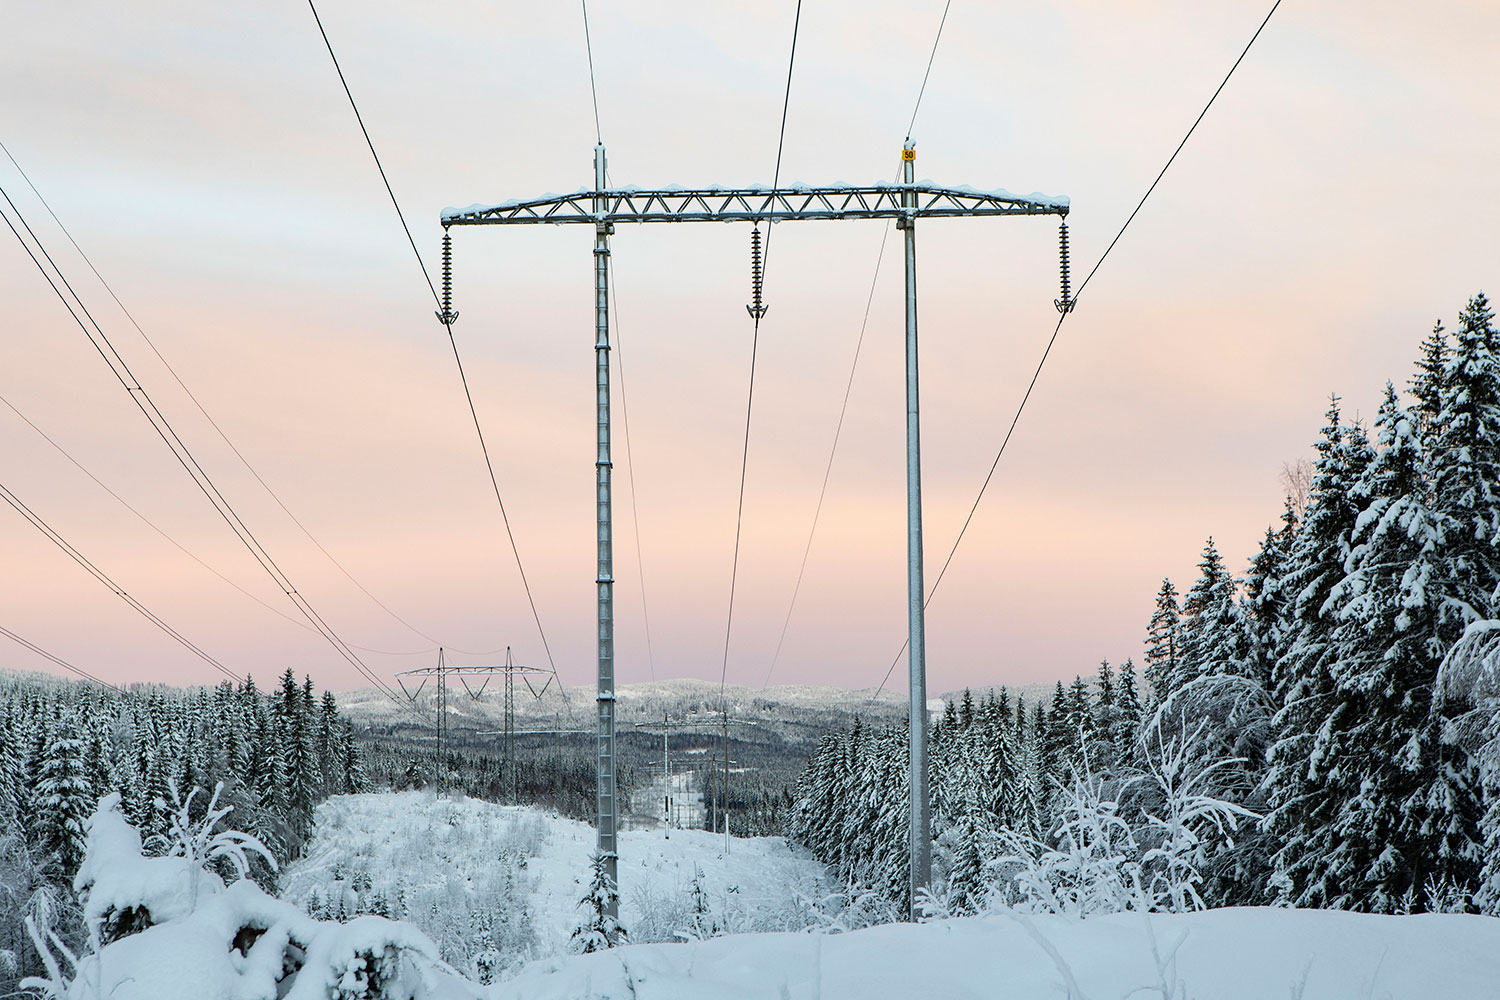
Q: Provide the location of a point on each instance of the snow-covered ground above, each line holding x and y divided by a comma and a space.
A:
447, 855
453, 858
475, 875
1233, 954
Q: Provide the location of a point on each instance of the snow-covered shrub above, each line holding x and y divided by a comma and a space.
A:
1102, 857
1190, 825
1089, 864
180, 932
851, 910
198, 842
458, 869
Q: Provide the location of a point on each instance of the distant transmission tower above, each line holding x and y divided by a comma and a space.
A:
508, 734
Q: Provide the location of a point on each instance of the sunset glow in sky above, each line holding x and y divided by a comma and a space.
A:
1340, 197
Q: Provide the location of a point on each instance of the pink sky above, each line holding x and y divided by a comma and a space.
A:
1340, 197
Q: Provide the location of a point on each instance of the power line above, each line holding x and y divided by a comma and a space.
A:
739, 516
917, 107
828, 470
853, 367
178, 545
448, 325
1063, 315
98, 574
159, 423
146, 520
630, 468
223, 437
589, 46
39, 651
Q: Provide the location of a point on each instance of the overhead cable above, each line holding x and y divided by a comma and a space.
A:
932, 56
853, 367
159, 423
739, 515
98, 574
39, 651
448, 325
225, 437
588, 45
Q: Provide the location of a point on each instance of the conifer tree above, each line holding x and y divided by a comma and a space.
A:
1303, 687
63, 802
1466, 462
1162, 640
1405, 810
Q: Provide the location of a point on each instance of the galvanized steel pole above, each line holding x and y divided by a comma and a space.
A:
921, 840
608, 806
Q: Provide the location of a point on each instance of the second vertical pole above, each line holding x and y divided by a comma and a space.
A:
921, 841
608, 805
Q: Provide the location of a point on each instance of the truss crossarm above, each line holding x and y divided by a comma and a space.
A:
753, 204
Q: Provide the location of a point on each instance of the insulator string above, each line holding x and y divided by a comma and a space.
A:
1064, 304
757, 308
446, 315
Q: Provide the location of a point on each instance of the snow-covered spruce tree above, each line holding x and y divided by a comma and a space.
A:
600, 929
1465, 462
1406, 803
1302, 686
1214, 638
1162, 641
1266, 599
1128, 707
63, 801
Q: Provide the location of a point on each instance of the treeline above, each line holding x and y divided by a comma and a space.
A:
1346, 688
550, 772
63, 747
995, 766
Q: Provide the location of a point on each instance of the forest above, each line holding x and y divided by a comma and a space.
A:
64, 746
1322, 731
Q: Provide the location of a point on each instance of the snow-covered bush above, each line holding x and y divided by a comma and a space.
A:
1101, 857
198, 841
1091, 862
460, 870
163, 928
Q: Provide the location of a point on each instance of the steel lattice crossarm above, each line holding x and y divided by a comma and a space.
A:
756, 204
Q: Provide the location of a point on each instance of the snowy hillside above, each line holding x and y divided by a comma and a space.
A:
644, 702
494, 885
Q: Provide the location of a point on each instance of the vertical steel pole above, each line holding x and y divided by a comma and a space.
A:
921, 842
608, 807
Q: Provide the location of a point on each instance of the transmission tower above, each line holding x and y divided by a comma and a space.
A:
906, 202
442, 672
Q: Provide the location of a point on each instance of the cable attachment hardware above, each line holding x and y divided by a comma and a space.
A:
757, 308
446, 315
1064, 304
